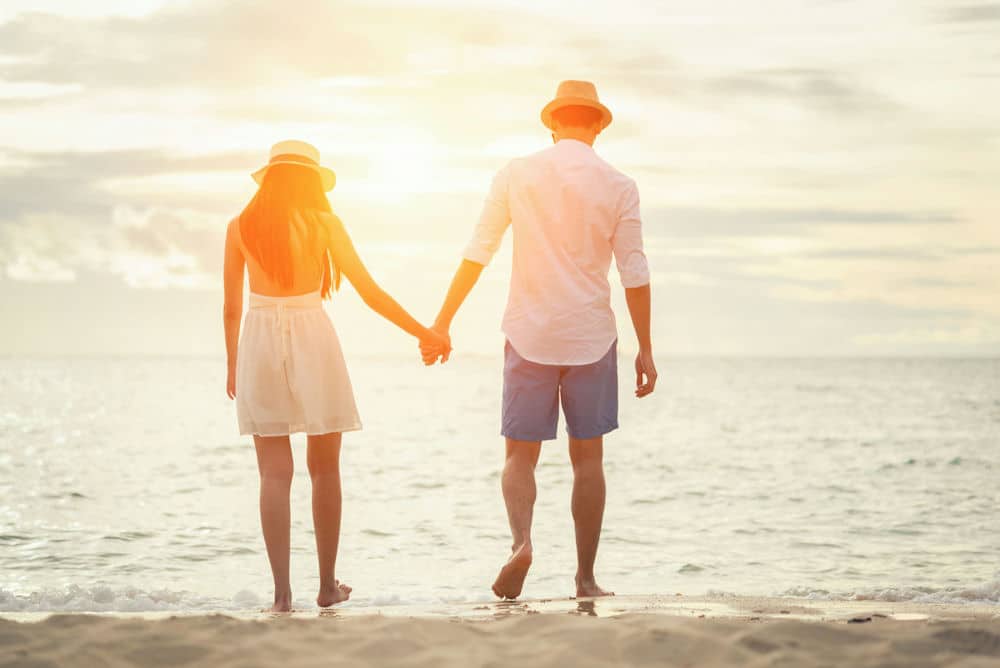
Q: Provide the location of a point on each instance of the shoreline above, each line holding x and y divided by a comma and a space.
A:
633, 630
750, 608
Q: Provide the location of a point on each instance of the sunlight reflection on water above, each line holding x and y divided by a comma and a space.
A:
123, 485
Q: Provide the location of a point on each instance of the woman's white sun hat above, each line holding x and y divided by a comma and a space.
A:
293, 152
576, 94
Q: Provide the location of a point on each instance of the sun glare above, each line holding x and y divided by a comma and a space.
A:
399, 169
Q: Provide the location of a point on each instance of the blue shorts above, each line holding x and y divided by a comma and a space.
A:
532, 393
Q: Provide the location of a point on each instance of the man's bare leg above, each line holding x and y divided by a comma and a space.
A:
587, 456
323, 457
274, 461
518, 483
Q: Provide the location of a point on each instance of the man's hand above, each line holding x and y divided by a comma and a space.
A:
645, 373
437, 344
639, 303
466, 277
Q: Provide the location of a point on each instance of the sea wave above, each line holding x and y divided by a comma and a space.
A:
130, 599
135, 600
986, 592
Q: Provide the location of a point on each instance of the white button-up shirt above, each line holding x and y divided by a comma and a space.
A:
571, 211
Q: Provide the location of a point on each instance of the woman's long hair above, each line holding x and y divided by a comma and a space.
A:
266, 225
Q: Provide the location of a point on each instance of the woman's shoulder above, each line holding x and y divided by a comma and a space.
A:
327, 218
233, 230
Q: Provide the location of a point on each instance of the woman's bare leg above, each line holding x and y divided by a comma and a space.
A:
274, 461
323, 456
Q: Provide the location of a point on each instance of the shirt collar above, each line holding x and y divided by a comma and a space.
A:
575, 143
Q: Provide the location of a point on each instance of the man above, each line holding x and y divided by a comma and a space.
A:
571, 212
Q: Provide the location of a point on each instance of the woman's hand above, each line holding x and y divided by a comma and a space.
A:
231, 381
436, 343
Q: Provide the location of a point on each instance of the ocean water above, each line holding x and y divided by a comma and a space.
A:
125, 486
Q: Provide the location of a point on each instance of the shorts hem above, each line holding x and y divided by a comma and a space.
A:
595, 434
521, 437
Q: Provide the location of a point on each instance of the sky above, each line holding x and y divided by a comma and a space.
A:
818, 177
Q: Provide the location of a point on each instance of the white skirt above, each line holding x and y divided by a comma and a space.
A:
290, 370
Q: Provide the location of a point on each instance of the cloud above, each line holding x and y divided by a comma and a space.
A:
168, 247
73, 213
466, 73
58, 218
243, 43
148, 248
920, 254
981, 12
183, 47
772, 318
821, 90
960, 334
808, 216
31, 92
923, 253
424, 58
741, 222
935, 282
73, 183
27, 266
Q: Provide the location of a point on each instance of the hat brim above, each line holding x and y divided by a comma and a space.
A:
328, 177
561, 102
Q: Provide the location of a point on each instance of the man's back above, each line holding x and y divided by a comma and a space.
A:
571, 211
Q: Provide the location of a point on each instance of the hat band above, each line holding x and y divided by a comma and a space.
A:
294, 157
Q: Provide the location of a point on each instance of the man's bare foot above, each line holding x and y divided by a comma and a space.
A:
511, 578
328, 595
589, 589
282, 602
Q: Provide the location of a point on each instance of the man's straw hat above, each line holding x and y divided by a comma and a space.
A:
575, 94
294, 152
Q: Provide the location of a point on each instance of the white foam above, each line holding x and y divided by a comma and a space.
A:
246, 599
105, 599
132, 599
987, 592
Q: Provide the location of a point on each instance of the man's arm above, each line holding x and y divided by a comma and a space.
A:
638, 300
493, 223
634, 271
465, 278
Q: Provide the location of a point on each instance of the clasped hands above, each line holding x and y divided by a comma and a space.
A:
435, 345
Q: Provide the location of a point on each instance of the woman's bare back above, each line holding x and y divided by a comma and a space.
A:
308, 263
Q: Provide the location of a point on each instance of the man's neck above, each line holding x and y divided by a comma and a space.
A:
582, 135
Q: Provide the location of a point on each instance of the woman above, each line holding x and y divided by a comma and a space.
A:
287, 374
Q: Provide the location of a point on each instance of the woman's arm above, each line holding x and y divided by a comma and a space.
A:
347, 260
232, 309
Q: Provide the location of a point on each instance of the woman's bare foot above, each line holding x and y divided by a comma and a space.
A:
511, 578
588, 589
331, 594
282, 602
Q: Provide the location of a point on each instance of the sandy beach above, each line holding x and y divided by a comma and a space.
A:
663, 631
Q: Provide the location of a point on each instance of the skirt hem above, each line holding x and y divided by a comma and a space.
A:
299, 429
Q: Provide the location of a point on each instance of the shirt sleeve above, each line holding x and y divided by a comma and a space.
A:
627, 243
493, 222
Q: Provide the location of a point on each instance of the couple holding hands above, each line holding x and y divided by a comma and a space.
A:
571, 213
